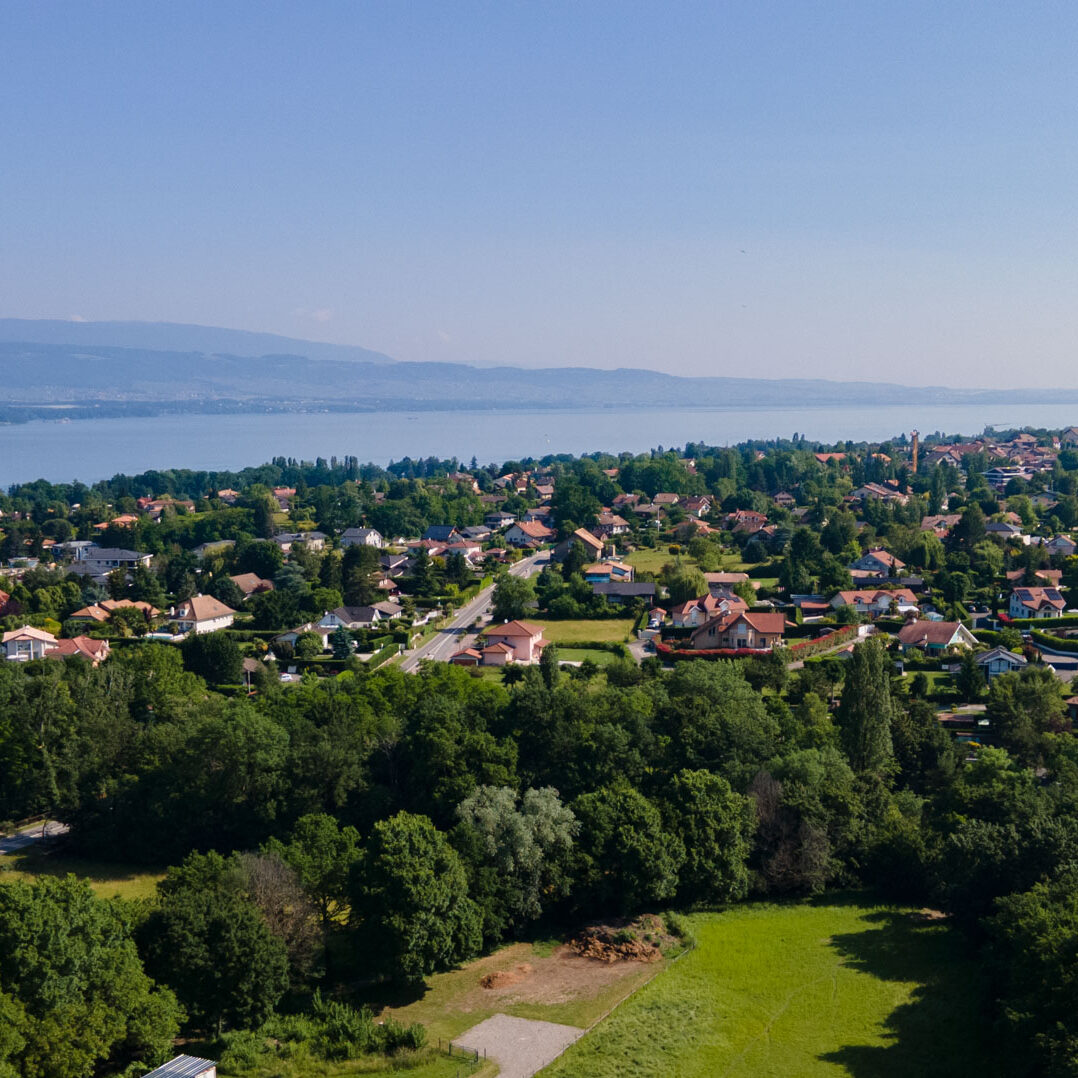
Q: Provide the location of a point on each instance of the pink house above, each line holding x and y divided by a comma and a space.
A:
523, 640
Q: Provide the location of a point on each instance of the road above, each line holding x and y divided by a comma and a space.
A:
28, 836
450, 637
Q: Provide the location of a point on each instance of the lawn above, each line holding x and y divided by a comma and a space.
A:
648, 560
583, 630
107, 879
430, 1064
815, 990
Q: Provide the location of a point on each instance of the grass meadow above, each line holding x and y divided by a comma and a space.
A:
816, 990
107, 879
583, 630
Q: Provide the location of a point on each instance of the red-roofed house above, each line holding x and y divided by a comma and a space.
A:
876, 603
524, 640
739, 629
935, 635
531, 534
1036, 603
81, 647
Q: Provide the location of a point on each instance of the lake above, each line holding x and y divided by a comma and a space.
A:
93, 449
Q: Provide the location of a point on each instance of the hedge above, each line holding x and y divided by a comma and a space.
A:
1068, 620
1056, 643
383, 656
613, 646
799, 651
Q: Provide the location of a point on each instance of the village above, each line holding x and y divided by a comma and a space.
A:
960, 554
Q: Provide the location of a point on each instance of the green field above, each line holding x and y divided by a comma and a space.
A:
647, 560
582, 630
107, 879
816, 990
430, 1064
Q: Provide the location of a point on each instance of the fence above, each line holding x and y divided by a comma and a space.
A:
451, 1049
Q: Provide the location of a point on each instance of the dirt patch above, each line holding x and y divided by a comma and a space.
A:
503, 978
928, 914
642, 940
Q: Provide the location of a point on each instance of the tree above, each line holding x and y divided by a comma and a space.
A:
410, 903
969, 679
213, 656
212, 946
865, 710
549, 666
341, 642
73, 995
308, 645
684, 583
715, 827
513, 596
1024, 710
323, 854
422, 573
516, 854
624, 859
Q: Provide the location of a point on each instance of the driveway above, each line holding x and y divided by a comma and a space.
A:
450, 638
520, 1046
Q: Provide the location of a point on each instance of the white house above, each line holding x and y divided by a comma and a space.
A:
935, 636
315, 541
521, 642
1000, 661
22, 645
877, 602
362, 537
528, 535
1061, 545
1036, 603
879, 561
202, 614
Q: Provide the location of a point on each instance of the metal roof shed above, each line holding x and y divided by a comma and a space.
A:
185, 1067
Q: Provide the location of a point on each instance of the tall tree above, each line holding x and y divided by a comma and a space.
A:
865, 710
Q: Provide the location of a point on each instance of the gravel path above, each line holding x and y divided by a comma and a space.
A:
520, 1046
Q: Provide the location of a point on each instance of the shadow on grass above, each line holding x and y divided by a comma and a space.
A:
944, 1030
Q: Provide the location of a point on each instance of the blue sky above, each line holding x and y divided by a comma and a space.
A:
853, 190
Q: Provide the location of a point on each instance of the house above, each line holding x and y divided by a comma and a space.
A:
1036, 603
202, 614
467, 657
528, 535
284, 496
1002, 529
541, 514
124, 520
251, 584
604, 572
292, 635
1072, 708
100, 561
441, 533
524, 640
360, 617
22, 645
785, 499
695, 612
1000, 661
1061, 546
1069, 438
940, 523
499, 520
315, 540
879, 562
7, 605
935, 636
362, 537
394, 565
593, 547
499, 654
722, 581
876, 492
609, 525
185, 1067
825, 458
228, 496
742, 630
666, 500
624, 591
697, 507
745, 521
102, 611
477, 533
93, 651
876, 603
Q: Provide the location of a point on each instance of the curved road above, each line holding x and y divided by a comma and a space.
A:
450, 637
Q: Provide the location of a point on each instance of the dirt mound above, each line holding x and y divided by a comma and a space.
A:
637, 941
503, 978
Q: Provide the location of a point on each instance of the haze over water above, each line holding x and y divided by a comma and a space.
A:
90, 450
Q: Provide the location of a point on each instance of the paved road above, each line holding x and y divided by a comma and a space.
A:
35, 833
450, 638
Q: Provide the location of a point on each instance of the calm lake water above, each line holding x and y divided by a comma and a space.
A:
95, 449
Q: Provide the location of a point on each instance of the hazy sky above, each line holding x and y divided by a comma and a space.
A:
874, 190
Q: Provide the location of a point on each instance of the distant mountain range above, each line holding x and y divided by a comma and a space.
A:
113, 368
